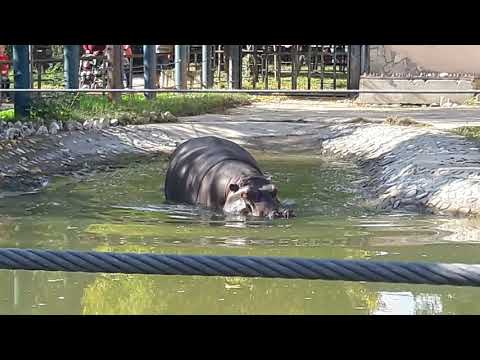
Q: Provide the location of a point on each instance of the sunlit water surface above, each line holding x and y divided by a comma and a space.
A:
124, 211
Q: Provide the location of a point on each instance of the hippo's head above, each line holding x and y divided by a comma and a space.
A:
255, 200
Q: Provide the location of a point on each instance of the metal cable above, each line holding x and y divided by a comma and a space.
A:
243, 266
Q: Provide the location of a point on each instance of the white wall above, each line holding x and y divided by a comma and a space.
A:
413, 59
442, 58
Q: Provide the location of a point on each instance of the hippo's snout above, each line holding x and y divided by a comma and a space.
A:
284, 213
288, 213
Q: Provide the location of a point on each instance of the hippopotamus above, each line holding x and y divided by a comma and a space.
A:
219, 174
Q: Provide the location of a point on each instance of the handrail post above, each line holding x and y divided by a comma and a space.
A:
22, 79
354, 66
71, 65
180, 66
149, 65
207, 66
235, 67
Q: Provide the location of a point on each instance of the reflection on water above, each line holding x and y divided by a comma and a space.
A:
124, 211
406, 303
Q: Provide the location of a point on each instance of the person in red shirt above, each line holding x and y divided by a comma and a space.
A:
94, 49
4, 70
127, 51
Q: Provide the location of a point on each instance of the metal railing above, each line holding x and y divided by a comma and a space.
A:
271, 62
248, 91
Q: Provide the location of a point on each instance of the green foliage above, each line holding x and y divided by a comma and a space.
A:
57, 51
472, 101
472, 132
53, 107
53, 77
302, 79
131, 108
7, 115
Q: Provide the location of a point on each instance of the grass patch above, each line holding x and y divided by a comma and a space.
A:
472, 132
131, 108
404, 122
302, 83
269, 98
7, 115
472, 101
389, 121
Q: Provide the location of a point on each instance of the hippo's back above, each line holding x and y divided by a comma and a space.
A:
192, 160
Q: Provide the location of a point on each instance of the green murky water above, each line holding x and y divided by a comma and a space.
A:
124, 210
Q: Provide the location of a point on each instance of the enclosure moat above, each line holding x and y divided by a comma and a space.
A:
124, 210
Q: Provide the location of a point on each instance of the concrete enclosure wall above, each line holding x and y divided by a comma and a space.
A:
394, 84
413, 59
421, 67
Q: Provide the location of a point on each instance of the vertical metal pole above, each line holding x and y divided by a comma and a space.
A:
265, 69
207, 66
235, 64
130, 73
149, 69
71, 60
219, 66
322, 67
115, 70
255, 67
275, 75
294, 66
226, 63
39, 76
309, 62
334, 67
180, 67
365, 59
279, 67
179, 75
30, 63
354, 66
240, 66
22, 79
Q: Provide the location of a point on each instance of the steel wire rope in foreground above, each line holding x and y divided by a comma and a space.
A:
242, 266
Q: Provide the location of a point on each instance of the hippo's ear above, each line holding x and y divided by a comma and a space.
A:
274, 191
234, 187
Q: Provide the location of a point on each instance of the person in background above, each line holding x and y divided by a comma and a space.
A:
95, 50
164, 58
164, 54
127, 58
4, 70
